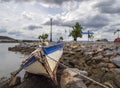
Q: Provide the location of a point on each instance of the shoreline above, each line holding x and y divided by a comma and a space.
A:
98, 59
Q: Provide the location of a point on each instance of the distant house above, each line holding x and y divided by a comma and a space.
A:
102, 40
85, 36
88, 33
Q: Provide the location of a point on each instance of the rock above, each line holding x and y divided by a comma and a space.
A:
116, 76
71, 53
78, 50
106, 59
94, 86
15, 81
101, 64
4, 82
35, 81
100, 49
106, 65
118, 52
115, 70
77, 84
97, 57
112, 77
75, 46
110, 65
65, 52
117, 80
69, 79
108, 84
116, 61
88, 53
108, 53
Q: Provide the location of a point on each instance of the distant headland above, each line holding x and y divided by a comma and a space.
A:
6, 39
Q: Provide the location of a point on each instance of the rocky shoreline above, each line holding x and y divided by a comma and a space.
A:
100, 60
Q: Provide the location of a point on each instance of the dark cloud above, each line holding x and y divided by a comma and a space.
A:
58, 2
97, 21
108, 6
105, 3
111, 30
59, 22
116, 25
2, 30
111, 10
16, 33
33, 27
45, 1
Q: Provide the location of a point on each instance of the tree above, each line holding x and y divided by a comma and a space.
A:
90, 36
61, 38
117, 31
43, 37
77, 31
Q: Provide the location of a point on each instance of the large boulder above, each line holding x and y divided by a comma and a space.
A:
112, 78
116, 61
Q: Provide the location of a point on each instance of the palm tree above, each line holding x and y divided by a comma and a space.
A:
40, 37
77, 31
117, 31
90, 36
43, 37
61, 38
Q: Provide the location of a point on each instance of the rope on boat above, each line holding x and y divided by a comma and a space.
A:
100, 84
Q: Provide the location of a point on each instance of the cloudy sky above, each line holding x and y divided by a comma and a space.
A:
26, 19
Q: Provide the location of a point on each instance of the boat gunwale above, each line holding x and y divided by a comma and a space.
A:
52, 45
26, 64
47, 50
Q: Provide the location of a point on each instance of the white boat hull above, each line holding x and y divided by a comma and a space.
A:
38, 68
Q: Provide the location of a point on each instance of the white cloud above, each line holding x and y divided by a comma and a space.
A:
15, 16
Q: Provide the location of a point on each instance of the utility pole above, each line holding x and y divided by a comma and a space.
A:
88, 35
51, 30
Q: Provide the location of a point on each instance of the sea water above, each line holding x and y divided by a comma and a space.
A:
9, 61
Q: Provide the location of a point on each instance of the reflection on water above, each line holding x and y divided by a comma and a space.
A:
9, 61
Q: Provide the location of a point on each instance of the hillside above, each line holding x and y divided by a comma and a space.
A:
6, 37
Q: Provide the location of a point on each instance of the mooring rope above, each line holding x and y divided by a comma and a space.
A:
100, 84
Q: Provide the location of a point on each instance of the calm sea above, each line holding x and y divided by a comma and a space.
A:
9, 61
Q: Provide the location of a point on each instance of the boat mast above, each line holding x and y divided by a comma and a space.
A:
51, 30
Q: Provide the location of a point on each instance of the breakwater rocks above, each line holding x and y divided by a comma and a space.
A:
101, 61
30, 81
24, 48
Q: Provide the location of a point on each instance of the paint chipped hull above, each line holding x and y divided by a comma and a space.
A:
38, 68
44, 61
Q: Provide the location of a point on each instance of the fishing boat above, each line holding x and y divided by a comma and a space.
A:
43, 61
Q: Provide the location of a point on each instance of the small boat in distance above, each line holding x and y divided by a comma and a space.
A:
43, 61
